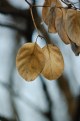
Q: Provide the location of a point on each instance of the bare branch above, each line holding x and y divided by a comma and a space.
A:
6, 8
13, 27
28, 3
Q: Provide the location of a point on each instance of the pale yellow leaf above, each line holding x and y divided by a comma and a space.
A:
54, 63
30, 61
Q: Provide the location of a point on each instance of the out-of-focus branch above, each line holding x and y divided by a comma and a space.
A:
48, 114
77, 111
6, 8
79, 4
13, 27
6, 85
63, 84
40, 27
5, 119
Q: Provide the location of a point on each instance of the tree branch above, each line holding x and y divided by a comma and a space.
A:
6, 8
63, 84
5, 119
13, 27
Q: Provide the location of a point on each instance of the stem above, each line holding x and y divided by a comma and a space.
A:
69, 4
33, 20
36, 5
42, 37
41, 5
31, 6
28, 3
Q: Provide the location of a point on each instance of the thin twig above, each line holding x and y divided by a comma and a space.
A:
40, 27
33, 17
28, 3
34, 20
41, 5
65, 2
36, 5
69, 4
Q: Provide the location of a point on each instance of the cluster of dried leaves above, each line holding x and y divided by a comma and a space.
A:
65, 21
32, 60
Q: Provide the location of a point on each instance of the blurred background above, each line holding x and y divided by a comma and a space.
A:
41, 99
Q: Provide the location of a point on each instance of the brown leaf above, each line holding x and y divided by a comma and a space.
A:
60, 24
30, 61
48, 14
54, 62
73, 25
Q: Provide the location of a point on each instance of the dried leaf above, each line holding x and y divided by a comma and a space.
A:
30, 61
54, 62
60, 25
73, 25
75, 48
48, 14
